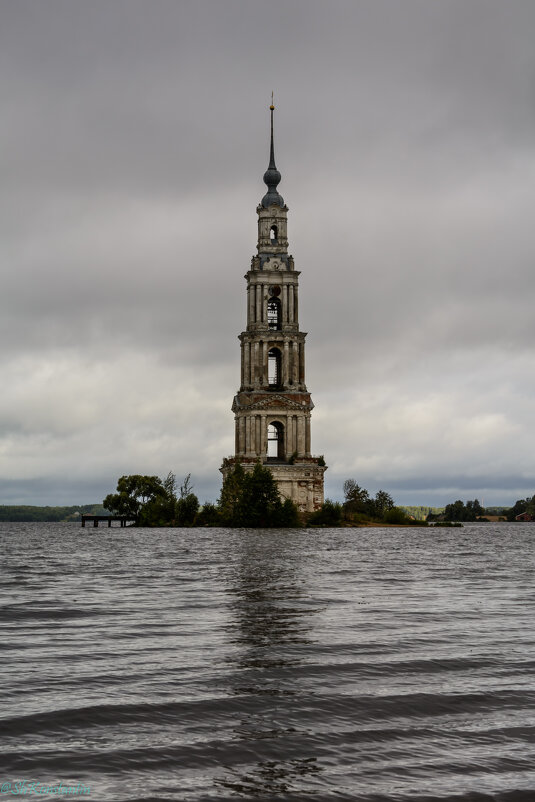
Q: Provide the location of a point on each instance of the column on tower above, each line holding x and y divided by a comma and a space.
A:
265, 364
241, 421
250, 305
296, 362
256, 348
247, 435
247, 363
300, 435
257, 435
263, 435
289, 436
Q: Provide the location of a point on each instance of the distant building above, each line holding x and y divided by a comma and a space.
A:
272, 408
524, 516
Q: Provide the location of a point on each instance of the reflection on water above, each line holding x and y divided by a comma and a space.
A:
271, 618
271, 778
269, 602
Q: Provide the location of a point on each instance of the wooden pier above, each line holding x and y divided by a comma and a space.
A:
109, 518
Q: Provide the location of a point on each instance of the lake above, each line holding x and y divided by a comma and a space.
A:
377, 665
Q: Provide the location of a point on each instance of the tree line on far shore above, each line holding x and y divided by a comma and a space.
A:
26, 513
522, 506
472, 511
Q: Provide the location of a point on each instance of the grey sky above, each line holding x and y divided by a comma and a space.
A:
133, 142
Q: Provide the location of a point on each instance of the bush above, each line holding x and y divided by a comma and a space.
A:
329, 514
287, 516
186, 510
208, 515
396, 516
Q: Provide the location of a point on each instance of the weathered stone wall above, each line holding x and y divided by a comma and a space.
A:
301, 482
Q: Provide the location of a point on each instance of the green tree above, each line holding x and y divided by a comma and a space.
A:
231, 493
208, 515
455, 511
383, 503
287, 517
396, 515
160, 511
260, 501
187, 505
358, 505
478, 509
329, 514
357, 499
522, 505
252, 500
458, 511
519, 507
133, 493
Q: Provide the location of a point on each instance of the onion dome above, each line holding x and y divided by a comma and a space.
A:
272, 176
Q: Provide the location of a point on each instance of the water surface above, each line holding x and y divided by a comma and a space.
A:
378, 665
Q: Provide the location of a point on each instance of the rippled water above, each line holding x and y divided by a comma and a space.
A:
364, 664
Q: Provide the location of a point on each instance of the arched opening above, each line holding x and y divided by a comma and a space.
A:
274, 367
273, 237
275, 441
274, 314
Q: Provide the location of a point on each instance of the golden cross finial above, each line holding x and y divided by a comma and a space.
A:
272, 106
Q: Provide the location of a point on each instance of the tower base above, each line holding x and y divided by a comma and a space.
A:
301, 481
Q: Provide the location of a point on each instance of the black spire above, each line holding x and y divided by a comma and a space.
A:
272, 176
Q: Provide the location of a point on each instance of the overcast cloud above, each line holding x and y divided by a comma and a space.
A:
133, 142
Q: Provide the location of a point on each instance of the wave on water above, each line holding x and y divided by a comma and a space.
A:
376, 665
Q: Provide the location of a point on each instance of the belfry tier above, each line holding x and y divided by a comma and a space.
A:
272, 347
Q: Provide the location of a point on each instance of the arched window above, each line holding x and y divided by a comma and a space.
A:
274, 314
273, 235
275, 441
274, 367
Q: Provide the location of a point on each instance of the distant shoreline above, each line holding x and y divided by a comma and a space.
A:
28, 513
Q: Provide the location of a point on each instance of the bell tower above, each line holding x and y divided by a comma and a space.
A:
272, 408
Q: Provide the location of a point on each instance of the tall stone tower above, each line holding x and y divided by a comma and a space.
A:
272, 407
